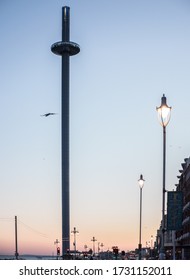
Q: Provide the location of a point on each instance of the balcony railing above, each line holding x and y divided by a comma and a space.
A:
186, 207
183, 237
186, 221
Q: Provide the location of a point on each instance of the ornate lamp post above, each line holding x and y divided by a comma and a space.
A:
75, 231
94, 240
164, 113
141, 184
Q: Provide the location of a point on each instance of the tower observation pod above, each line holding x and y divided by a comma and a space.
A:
65, 49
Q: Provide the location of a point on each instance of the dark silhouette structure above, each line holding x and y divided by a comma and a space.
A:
65, 49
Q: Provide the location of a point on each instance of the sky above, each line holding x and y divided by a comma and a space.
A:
132, 52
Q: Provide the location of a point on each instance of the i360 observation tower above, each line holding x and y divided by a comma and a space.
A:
65, 49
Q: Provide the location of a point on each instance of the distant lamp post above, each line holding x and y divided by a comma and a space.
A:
141, 184
151, 246
85, 248
75, 242
56, 242
94, 240
98, 248
164, 113
102, 245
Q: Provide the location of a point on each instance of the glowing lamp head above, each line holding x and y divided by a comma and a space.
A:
141, 181
164, 112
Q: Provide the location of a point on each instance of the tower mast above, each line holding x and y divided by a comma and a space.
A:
65, 49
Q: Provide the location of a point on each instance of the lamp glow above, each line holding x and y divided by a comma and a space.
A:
164, 112
141, 181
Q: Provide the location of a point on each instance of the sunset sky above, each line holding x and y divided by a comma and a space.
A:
132, 52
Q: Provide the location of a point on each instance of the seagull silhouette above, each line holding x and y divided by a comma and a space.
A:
48, 114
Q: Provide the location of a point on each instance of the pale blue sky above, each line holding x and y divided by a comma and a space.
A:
132, 52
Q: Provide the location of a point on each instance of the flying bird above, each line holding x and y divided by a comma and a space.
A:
48, 114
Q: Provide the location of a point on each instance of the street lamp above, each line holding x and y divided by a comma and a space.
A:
74, 243
151, 246
164, 113
94, 240
102, 245
56, 242
141, 184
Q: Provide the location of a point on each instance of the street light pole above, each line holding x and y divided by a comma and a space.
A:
56, 242
94, 240
141, 184
164, 113
151, 246
74, 243
163, 192
16, 240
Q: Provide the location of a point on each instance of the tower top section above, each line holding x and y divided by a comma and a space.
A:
65, 46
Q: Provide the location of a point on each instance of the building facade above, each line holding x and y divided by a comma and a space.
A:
179, 240
183, 235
